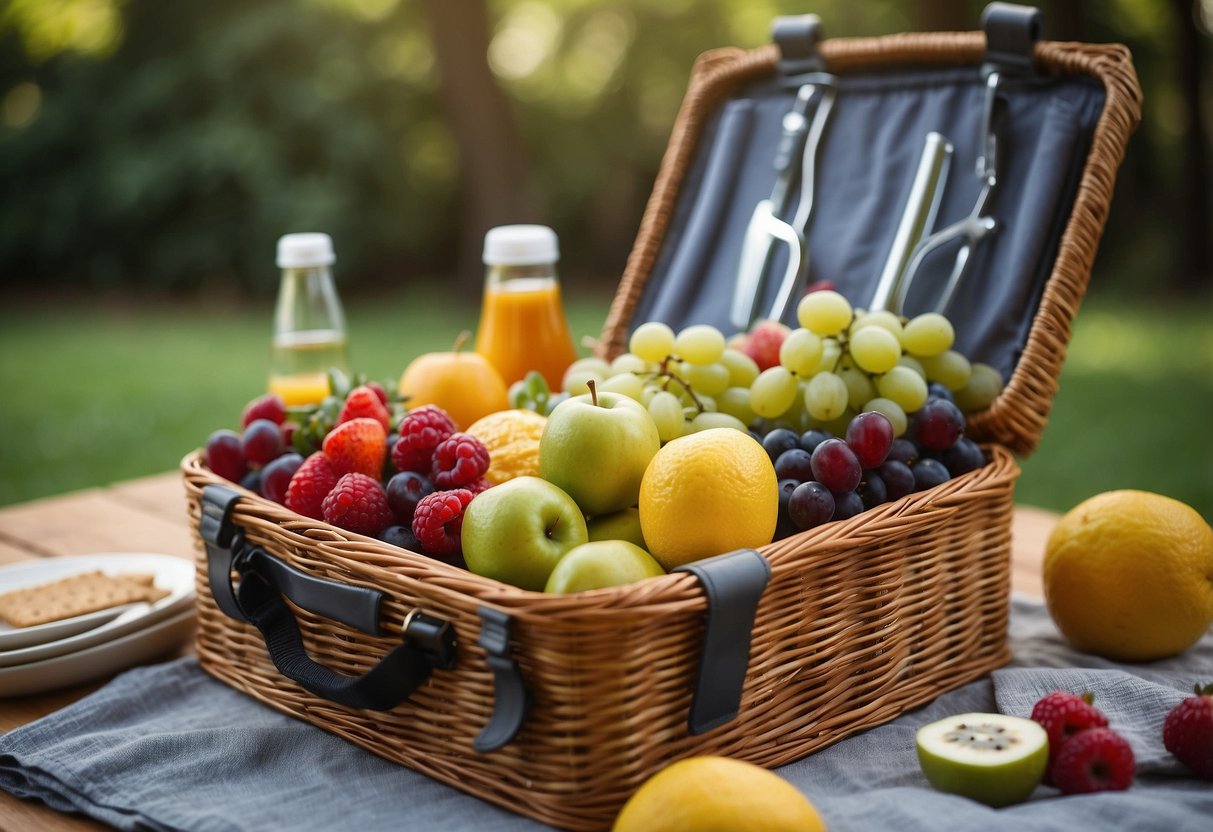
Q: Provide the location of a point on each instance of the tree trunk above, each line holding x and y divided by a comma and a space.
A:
492, 157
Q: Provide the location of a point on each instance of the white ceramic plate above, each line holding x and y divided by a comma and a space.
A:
171, 573
13, 638
99, 660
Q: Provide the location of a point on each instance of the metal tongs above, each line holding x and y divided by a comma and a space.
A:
894, 285
801, 137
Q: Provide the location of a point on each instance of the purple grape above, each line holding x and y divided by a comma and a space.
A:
903, 451
929, 473
938, 425
935, 390
810, 505
404, 492
276, 476
963, 457
835, 466
401, 536
847, 504
252, 481
872, 490
224, 456
810, 439
784, 526
898, 478
261, 442
870, 436
794, 464
778, 441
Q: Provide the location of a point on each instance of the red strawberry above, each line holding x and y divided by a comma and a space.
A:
438, 522
358, 504
270, 406
1063, 714
309, 485
1094, 760
421, 431
1188, 732
363, 403
379, 391
357, 446
459, 460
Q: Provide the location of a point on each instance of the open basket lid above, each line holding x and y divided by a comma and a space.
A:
1065, 114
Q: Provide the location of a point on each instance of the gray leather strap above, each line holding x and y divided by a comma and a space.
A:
1011, 35
222, 538
509, 694
798, 38
733, 583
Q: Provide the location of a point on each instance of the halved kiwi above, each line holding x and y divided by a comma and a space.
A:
993, 758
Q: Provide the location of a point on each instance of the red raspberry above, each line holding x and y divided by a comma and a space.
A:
358, 446
1188, 732
270, 406
1063, 714
1094, 760
310, 485
479, 485
358, 503
363, 403
459, 460
438, 521
421, 431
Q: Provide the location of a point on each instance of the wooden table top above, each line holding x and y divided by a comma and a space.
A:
149, 515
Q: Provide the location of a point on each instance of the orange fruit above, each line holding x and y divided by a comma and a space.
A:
1128, 575
717, 794
512, 439
708, 493
464, 384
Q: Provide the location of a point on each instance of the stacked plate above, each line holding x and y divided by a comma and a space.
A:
75, 650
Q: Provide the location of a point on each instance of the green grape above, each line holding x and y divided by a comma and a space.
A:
914, 364
704, 403
773, 392
927, 335
859, 386
629, 363
652, 341
580, 371
705, 421
825, 396
801, 352
707, 378
666, 411
880, 318
735, 401
839, 424
874, 349
831, 356
742, 369
650, 390
903, 386
625, 384
699, 344
892, 410
949, 368
517, 396
825, 312
985, 383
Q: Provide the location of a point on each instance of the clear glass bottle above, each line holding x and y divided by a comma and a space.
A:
309, 323
522, 321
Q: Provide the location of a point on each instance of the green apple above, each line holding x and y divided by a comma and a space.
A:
516, 532
596, 448
618, 525
602, 563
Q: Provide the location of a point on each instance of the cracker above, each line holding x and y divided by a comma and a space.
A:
76, 595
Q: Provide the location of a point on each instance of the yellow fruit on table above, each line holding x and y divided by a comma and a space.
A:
512, 439
1128, 575
717, 794
464, 384
708, 493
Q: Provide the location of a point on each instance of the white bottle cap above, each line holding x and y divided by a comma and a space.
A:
518, 245
301, 251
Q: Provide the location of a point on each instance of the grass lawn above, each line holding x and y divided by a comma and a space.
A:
97, 392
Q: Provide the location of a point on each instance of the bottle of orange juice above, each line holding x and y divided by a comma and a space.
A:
309, 323
522, 323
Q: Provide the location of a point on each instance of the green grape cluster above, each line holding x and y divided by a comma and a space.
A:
842, 361
531, 392
689, 380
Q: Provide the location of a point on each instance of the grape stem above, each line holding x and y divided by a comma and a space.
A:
669, 376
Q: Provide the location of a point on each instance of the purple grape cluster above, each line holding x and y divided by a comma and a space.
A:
824, 477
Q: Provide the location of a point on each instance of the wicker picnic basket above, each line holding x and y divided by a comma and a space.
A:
558, 707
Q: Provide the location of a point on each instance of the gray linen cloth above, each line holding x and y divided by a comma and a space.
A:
168, 748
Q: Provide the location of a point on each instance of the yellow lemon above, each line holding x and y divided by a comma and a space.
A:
707, 493
717, 794
1128, 575
512, 439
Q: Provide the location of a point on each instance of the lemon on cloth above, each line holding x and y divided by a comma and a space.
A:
512, 439
717, 794
1128, 575
708, 493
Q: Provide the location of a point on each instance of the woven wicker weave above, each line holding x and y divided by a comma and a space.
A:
862, 619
